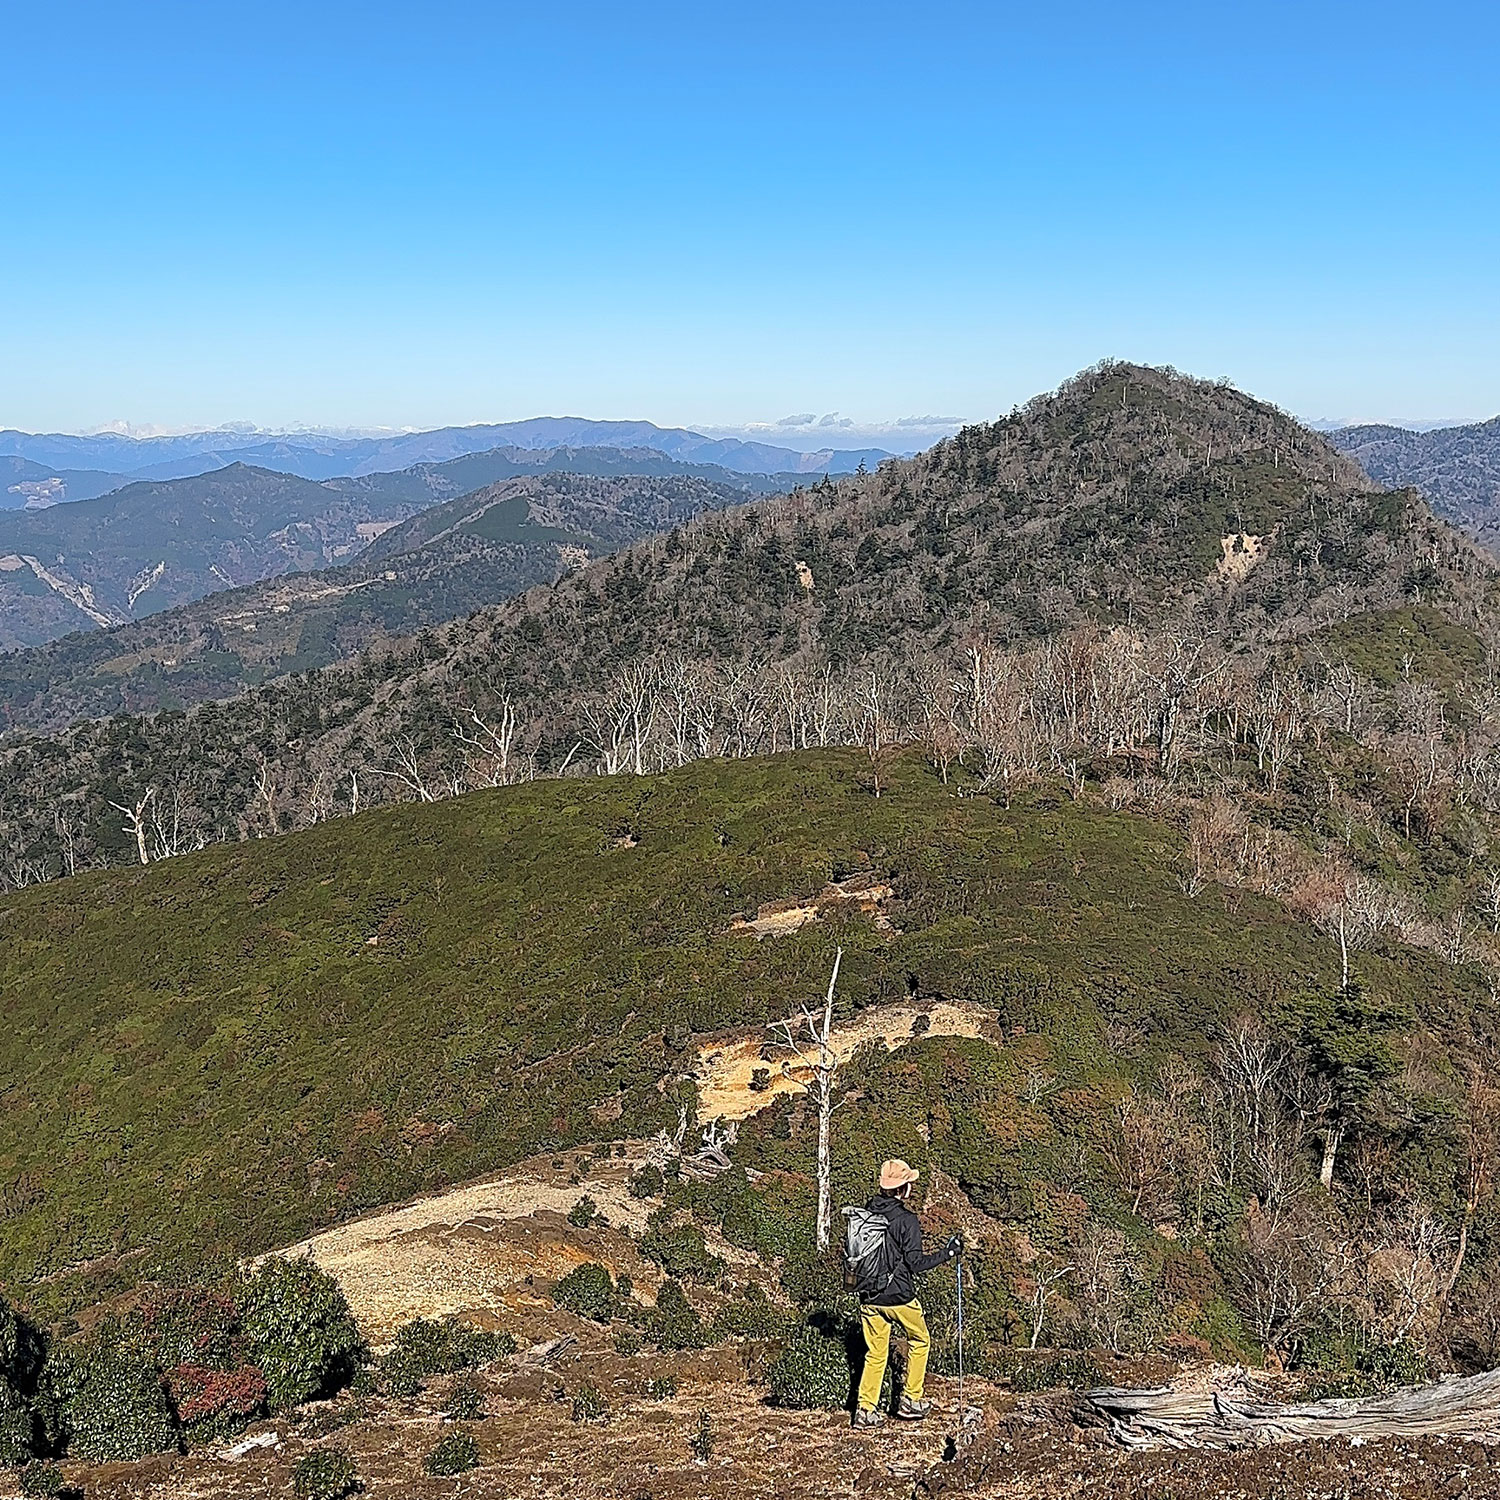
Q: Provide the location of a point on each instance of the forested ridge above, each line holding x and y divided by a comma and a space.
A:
449, 559
1134, 509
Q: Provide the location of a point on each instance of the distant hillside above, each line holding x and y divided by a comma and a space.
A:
443, 563
149, 547
1132, 500
25, 485
1456, 468
317, 457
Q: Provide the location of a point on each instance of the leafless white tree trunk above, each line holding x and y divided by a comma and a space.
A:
135, 822
810, 1039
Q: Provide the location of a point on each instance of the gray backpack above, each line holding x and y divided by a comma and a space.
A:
869, 1256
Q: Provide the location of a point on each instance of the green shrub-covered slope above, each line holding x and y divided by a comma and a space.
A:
225, 1051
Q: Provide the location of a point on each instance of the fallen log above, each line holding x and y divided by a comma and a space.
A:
1173, 1417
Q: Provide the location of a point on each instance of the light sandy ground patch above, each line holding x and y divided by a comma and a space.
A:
864, 893
726, 1070
1241, 553
491, 1250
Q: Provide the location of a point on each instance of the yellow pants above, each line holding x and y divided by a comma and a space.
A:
878, 1321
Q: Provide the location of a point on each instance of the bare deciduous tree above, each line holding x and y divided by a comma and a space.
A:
809, 1038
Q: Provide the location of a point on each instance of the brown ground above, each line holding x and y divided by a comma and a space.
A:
1024, 1449
491, 1251
725, 1067
488, 1251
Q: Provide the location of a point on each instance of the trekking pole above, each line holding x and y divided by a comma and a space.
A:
962, 1407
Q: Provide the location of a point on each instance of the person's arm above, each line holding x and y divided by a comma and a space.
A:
911, 1247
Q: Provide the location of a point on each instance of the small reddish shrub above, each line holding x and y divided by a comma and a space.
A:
215, 1404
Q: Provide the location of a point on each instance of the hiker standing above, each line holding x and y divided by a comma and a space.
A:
888, 1298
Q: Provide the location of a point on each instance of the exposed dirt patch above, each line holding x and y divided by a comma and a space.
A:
1241, 553
864, 893
726, 1070
488, 1250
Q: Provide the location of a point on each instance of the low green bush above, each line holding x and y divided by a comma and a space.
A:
456, 1453
465, 1400
583, 1213
299, 1331
679, 1249
1074, 1370
325, 1474
111, 1399
627, 1342
662, 1388
589, 1405
674, 1322
753, 1317
38, 1481
588, 1291
427, 1346
812, 1371
646, 1183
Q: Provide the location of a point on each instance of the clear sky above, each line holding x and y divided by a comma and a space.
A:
723, 213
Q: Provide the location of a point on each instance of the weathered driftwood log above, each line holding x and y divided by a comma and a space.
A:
1231, 1418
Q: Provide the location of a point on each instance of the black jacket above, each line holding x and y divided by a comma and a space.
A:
906, 1239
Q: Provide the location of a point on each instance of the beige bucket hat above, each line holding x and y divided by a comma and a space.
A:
896, 1173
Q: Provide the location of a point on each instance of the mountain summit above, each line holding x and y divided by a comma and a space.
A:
1132, 499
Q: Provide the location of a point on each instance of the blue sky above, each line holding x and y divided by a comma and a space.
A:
719, 214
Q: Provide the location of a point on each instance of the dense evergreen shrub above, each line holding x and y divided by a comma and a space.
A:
674, 1322
456, 1453
190, 1326
429, 1346
627, 1342
111, 1398
325, 1474
298, 1329
753, 1316
23, 1351
679, 1249
647, 1182
812, 1370
583, 1213
587, 1290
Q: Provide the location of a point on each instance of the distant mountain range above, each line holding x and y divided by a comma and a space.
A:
440, 565
25, 485
1457, 469
311, 456
157, 544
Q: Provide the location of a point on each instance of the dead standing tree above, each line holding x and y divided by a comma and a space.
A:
810, 1040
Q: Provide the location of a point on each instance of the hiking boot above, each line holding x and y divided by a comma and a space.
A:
872, 1418
912, 1411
